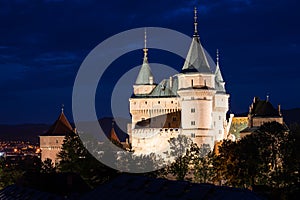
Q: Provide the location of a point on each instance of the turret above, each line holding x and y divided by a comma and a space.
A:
144, 83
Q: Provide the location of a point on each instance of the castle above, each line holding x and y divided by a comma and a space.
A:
193, 102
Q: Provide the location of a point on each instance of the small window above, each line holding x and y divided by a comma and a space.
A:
171, 101
174, 119
192, 82
192, 110
220, 131
193, 123
145, 102
158, 102
219, 117
193, 135
56, 141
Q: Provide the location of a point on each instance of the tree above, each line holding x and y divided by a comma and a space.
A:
48, 166
257, 159
181, 156
8, 174
202, 160
75, 158
275, 147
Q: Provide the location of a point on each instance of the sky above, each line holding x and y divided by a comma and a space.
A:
44, 42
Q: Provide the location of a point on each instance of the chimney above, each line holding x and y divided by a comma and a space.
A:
279, 109
151, 80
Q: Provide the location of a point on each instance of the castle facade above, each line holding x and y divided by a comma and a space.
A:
193, 102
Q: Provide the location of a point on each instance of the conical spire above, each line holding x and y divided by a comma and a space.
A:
196, 60
113, 135
218, 71
145, 76
61, 126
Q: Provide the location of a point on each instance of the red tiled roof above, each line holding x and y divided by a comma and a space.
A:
113, 135
60, 127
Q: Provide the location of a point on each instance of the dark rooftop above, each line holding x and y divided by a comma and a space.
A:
60, 127
263, 108
141, 187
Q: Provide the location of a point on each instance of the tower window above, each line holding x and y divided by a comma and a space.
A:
192, 110
171, 101
192, 82
193, 123
145, 102
158, 102
192, 135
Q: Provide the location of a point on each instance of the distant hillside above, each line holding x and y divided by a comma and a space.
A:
31, 132
23, 132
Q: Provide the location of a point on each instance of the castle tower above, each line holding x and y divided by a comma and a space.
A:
144, 83
202, 114
51, 141
221, 105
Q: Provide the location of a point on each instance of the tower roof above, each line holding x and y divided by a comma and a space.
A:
218, 77
113, 135
218, 71
145, 73
163, 89
60, 127
196, 60
263, 108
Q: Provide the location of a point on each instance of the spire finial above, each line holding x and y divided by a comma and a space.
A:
218, 56
195, 22
145, 45
145, 38
62, 108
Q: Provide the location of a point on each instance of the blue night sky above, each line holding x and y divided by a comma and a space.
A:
43, 43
